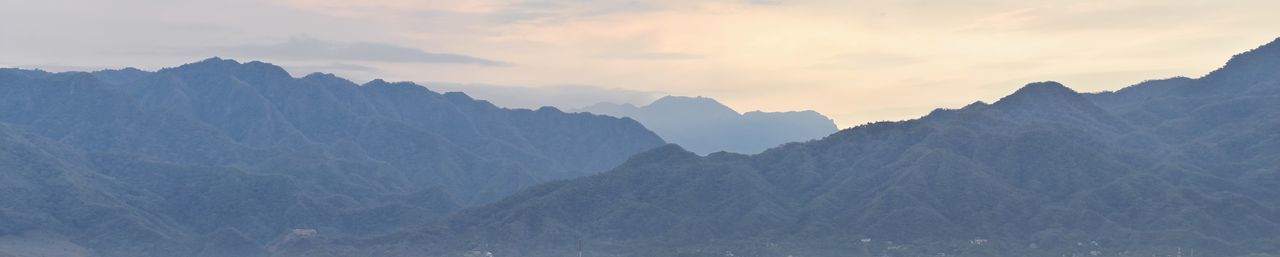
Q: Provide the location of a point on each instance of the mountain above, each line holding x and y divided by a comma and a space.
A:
222, 158
704, 126
1159, 168
560, 96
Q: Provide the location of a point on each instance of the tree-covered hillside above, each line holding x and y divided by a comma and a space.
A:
1191, 164
221, 158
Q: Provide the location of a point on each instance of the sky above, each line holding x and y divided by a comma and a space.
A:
855, 61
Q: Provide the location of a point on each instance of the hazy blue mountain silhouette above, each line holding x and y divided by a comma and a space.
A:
220, 158
1191, 164
704, 126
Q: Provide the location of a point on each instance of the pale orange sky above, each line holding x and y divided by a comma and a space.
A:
855, 61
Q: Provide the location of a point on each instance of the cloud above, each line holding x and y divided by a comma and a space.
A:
333, 67
652, 56
564, 96
496, 12
867, 60
351, 7
1080, 16
561, 10
766, 2
312, 49
831, 56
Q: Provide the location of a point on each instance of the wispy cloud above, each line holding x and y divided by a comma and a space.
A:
333, 67
566, 97
560, 10
867, 60
1082, 16
837, 57
313, 49
766, 2
649, 56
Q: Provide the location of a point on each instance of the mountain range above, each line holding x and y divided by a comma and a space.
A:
222, 158
1166, 167
704, 125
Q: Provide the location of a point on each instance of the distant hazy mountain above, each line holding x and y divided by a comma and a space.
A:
1190, 165
220, 158
560, 96
704, 126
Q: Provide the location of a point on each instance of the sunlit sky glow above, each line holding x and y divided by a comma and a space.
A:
855, 61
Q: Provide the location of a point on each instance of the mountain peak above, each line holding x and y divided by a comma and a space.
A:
206, 64
327, 78
381, 82
549, 109
1268, 51
215, 61
704, 125
1039, 92
398, 83
320, 76
1263, 60
120, 76
1045, 88
702, 104
698, 100
254, 70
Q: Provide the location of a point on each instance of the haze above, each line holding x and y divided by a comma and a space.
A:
856, 62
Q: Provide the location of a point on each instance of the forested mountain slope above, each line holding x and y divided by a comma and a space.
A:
220, 158
1167, 165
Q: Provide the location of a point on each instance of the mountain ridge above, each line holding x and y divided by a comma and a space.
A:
704, 125
238, 153
1046, 171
